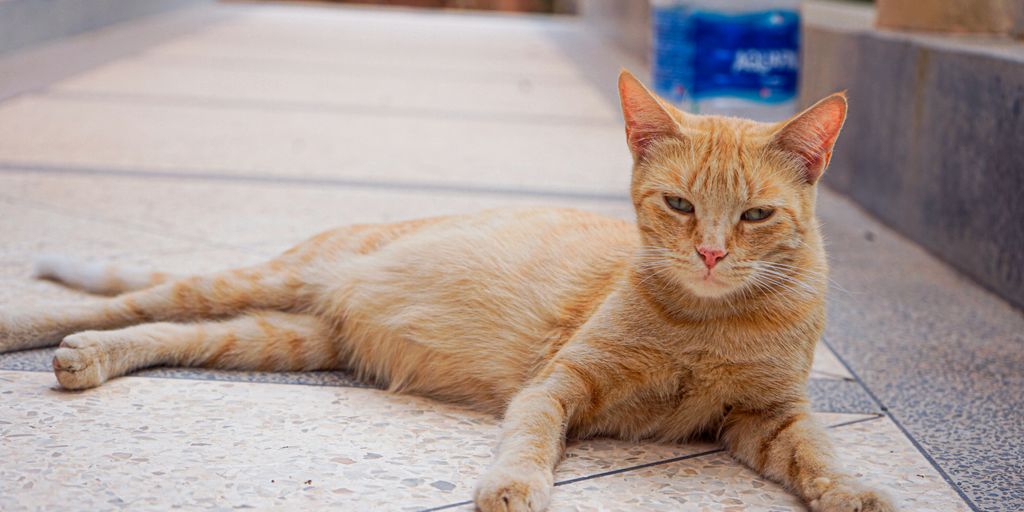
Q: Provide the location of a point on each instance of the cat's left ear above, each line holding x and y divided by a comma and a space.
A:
810, 135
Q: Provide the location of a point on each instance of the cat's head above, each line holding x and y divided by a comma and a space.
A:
726, 205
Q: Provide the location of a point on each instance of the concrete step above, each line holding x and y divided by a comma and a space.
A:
932, 145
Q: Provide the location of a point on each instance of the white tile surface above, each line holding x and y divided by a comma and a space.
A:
827, 365
161, 442
241, 444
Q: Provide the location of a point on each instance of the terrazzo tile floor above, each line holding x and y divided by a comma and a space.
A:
223, 142
244, 444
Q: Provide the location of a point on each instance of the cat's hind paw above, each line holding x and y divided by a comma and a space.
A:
514, 490
79, 363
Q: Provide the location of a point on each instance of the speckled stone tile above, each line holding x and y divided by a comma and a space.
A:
215, 444
827, 365
881, 455
238, 445
834, 395
944, 355
875, 452
263, 445
872, 450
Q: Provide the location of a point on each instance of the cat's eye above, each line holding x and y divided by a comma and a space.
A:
679, 204
756, 214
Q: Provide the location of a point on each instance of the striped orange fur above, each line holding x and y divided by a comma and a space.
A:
700, 318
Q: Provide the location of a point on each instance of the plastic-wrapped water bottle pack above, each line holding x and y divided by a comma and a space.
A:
727, 57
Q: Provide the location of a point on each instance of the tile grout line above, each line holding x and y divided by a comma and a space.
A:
650, 464
9, 167
888, 413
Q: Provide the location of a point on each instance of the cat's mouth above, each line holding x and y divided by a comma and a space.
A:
710, 284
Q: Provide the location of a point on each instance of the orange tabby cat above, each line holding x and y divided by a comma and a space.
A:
699, 319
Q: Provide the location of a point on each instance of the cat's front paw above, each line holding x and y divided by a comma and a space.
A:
850, 497
79, 363
514, 490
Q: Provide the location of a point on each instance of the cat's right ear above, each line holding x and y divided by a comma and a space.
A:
646, 118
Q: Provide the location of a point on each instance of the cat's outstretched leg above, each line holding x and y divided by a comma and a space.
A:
789, 447
266, 340
273, 286
533, 437
97, 277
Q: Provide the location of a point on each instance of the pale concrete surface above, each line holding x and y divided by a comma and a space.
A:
227, 143
27, 22
34, 67
313, 142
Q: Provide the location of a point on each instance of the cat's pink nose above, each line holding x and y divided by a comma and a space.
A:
711, 255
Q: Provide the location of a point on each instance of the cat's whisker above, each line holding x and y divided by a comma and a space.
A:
786, 269
766, 286
781, 280
815, 273
780, 265
783, 277
794, 270
653, 274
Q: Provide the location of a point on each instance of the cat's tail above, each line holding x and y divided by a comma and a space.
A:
96, 277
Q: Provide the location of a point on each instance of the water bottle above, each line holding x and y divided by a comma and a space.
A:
727, 57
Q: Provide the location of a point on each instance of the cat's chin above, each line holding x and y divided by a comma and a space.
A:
713, 288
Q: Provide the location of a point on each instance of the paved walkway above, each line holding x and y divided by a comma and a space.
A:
218, 137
